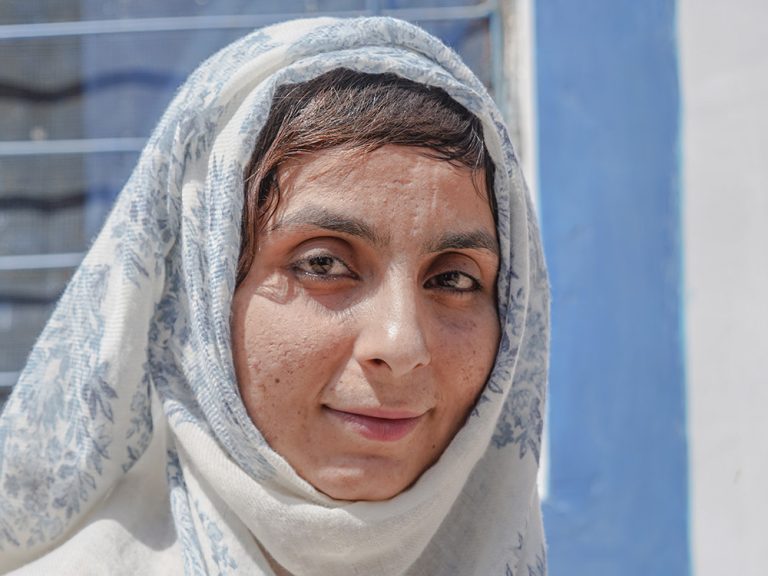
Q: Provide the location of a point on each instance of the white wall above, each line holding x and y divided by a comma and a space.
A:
724, 78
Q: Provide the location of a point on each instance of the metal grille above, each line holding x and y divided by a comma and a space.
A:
82, 85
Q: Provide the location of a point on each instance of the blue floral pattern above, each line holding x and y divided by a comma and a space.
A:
220, 556
148, 313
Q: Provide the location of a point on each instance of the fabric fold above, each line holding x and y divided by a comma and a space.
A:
148, 313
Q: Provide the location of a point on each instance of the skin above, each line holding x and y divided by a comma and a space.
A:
367, 324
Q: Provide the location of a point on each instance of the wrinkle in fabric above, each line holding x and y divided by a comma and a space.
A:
134, 370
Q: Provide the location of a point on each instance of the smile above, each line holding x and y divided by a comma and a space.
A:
378, 425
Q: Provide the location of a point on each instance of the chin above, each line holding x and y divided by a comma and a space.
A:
354, 484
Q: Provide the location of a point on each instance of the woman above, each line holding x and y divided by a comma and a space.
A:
311, 338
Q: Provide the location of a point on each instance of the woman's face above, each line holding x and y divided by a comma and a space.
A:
367, 324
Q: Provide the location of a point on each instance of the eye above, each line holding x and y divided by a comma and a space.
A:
323, 266
453, 281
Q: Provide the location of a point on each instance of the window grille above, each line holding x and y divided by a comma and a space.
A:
82, 84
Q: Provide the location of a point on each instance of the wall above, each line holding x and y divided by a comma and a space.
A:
653, 184
724, 80
608, 134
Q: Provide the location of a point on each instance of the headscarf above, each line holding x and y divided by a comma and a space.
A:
125, 446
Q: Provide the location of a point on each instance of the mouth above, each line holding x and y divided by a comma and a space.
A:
376, 424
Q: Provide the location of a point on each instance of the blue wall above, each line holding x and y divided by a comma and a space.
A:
608, 115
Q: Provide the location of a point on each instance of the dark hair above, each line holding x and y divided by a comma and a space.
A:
355, 111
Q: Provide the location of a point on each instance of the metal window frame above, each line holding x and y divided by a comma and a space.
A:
487, 9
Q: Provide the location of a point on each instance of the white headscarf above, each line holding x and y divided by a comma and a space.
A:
125, 446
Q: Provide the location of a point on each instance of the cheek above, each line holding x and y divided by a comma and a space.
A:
280, 358
469, 352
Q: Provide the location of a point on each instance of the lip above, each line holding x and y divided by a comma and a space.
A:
377, 424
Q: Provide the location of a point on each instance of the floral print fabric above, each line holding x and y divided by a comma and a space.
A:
134, 373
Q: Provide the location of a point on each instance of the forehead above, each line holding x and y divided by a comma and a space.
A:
394, 183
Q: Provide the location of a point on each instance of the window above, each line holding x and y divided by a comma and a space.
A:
82, 84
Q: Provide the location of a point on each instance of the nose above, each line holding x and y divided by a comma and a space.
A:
392, 335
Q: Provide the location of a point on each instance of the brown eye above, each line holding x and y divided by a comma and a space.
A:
323, 266
453, 281
320, 264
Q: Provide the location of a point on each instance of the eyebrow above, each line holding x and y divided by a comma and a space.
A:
319, 217
475, 240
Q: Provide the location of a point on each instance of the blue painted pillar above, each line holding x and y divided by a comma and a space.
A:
608, 116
